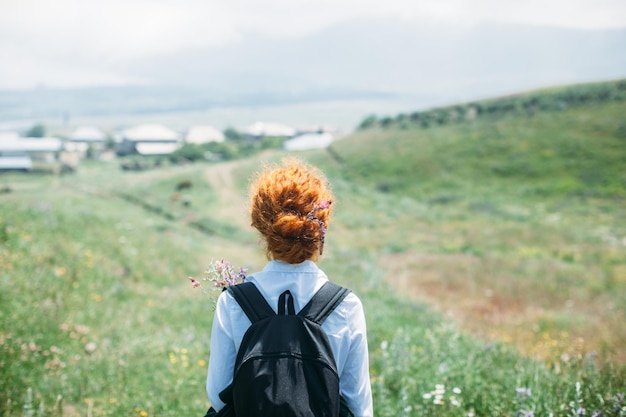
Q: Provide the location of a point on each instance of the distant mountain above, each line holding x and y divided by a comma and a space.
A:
366, 59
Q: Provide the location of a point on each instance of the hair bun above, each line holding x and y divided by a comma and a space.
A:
297, 227
290, 209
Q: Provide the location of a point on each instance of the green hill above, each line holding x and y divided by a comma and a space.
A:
562, 141
490, 255
526, 207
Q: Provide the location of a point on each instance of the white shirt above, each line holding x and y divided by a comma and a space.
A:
345, 327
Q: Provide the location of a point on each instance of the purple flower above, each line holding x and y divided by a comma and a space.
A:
523, 392
222, 274
242, 274
194, 282
325, 204
311, 215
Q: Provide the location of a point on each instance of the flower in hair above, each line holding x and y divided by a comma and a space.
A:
324, 204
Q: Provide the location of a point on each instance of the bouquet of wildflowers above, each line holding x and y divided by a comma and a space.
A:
220, 274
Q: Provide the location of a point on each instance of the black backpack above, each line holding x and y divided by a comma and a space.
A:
285, 366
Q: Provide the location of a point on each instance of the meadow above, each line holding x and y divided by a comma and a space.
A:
490, 257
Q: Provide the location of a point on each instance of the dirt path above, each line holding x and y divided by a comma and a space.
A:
233, 202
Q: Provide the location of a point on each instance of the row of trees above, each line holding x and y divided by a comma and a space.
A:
522, 104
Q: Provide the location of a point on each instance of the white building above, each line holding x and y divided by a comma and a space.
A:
203, 134
84, 137
17, 153
149, 139
11, 158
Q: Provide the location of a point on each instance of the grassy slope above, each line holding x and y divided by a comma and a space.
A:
516, 225
82, 264
554, 154
82, 268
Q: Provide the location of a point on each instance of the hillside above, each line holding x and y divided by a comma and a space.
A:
513, 221
487, 291
559, 142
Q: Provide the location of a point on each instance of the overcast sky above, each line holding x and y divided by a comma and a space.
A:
69, 43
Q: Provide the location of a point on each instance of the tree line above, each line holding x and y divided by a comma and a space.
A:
525, 104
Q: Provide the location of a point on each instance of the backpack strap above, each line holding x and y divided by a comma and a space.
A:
251, 301
324, 302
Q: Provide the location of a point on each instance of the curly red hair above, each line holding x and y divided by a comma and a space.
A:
290, 207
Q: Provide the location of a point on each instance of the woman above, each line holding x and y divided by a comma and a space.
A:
291, 208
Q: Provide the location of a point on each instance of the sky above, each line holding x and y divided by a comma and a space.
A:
74, 43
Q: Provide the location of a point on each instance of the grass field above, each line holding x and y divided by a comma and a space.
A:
518, 225
490, 258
